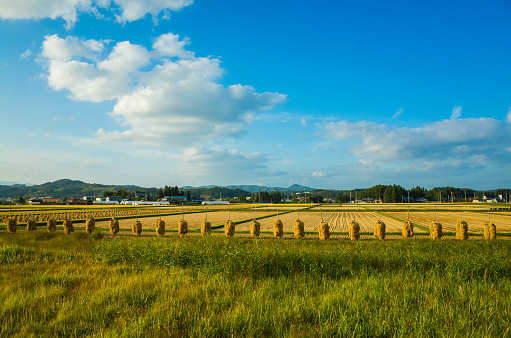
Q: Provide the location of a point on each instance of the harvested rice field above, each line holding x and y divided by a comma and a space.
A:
338, 221
448, 220
194, 220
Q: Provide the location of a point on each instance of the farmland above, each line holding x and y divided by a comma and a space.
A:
337, 216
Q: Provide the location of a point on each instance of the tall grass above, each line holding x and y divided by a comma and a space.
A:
78, 285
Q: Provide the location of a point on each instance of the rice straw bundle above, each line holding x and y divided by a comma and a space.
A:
490, 231
255, 229
324, 231
462, 230
68, 226
182, 227
205, 227
299, 229
354, 230
90, 225
114, 226
31, 225
160, 227
11, 225
435, 230
379, 230
51, 225
229, 228
136, 227
407, 229
278, 229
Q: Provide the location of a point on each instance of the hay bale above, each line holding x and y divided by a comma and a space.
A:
354, 230
90, 225
324, 231
114, 226
255, 229
407, 229
490, 231
182, 227
299, 229
435, 230
11, 225
205, 227
51, 225
31, 225
462, 230
379, 230
136, 228
68, 226
229, 228
278, 229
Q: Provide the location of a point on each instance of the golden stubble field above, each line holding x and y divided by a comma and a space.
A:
338, 221
194, 220
448, 219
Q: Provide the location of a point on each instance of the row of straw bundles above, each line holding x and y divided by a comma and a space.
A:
11, 225
90, 225
255, 229
490, 231
205, 227
136, 227
68, 226
379, 230
354, 230
435, 230
278, 229
299, 229
31, 225
407, 229
160, 227
51, 225
462, 230
324, 231
229, 228
182, 227
114, 226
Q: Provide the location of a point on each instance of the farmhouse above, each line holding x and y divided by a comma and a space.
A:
35, 200
51, 200
492, 198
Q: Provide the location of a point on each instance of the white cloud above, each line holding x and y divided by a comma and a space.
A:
508, 118
318, 173
165, 96
398, 113
214, 164
304, 123
456, 112
433, 144
68, 10
26, 54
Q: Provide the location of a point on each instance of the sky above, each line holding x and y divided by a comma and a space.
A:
327, 94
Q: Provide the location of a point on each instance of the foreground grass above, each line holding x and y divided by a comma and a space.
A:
80, 285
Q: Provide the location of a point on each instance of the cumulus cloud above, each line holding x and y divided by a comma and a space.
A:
163, 96
68, 10
456, 112
448, 142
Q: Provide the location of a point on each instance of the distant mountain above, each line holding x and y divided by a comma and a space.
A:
66, 188
297, 187
14, 183
252, 188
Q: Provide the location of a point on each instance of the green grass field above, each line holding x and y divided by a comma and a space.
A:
81, 285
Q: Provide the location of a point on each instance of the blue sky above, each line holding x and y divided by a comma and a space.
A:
330, 94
